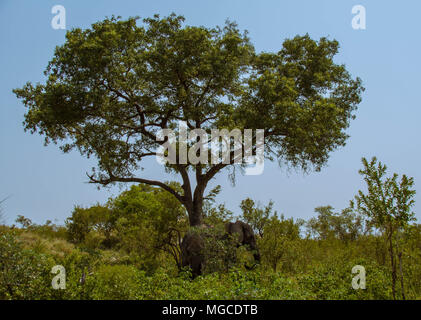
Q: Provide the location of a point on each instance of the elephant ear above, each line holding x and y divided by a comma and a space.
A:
228, 227
248, 233
238, 228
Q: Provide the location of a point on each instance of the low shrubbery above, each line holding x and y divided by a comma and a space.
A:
26, 274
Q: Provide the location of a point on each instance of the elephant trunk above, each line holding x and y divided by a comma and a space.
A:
256, 256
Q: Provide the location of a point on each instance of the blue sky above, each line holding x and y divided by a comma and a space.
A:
45, 184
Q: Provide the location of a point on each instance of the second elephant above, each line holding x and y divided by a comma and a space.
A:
193, 244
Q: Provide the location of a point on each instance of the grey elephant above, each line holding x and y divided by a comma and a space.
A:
193, 244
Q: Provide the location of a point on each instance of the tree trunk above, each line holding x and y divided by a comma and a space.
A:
401, 276
393, 263
196, 216
196, 208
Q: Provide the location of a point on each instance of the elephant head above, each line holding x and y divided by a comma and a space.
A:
245, 236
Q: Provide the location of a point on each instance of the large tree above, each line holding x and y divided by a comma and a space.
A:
110, 89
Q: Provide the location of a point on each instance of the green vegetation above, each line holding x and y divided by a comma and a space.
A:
112, 88
128, 248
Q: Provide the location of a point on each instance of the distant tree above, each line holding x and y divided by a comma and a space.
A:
279, 239
387, 203
85, 220
255, 215
26, 223
142, 221
345, 225
110, 89
150, 220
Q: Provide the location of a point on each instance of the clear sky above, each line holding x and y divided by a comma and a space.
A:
45, 184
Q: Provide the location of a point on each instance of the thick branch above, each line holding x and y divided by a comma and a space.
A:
160, 184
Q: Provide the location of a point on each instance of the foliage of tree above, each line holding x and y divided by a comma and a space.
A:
255, 215
112, 87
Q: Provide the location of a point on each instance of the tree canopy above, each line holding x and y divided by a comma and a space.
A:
111, 88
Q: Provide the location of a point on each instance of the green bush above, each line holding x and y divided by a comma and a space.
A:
333, 280
24, 273
118, 282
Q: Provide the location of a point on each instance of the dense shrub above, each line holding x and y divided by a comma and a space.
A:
23, 272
